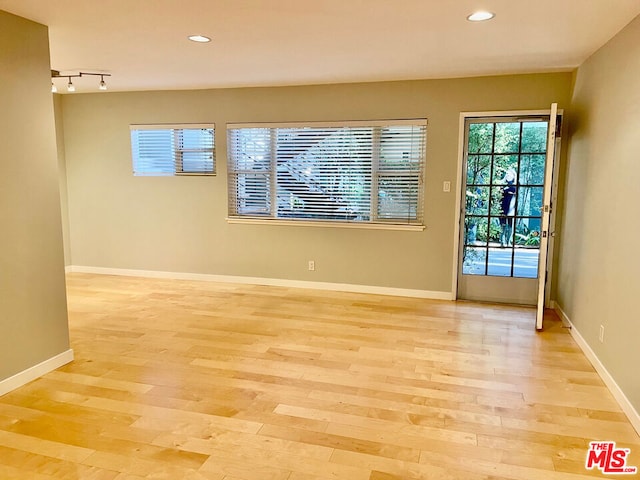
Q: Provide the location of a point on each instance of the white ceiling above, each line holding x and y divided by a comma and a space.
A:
143, 43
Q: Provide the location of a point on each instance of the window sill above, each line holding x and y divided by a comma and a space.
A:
195, 174
173, 174
327, 223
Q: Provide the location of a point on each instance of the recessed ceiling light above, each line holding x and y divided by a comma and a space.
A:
199, 38
480, 16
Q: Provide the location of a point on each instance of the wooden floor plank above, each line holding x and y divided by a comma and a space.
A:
209, 381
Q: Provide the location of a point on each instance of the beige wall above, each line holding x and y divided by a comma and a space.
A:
62, 175
599, 267
33, 311
178, 223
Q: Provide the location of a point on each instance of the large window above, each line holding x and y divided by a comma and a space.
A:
159, 150
367, 172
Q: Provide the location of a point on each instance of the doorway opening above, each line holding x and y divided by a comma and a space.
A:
503, 220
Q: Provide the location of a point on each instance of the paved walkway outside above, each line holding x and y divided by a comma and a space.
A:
525, 262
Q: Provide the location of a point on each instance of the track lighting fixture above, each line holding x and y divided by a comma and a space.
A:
70, 86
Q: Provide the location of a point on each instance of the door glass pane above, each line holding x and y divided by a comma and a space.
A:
477, 200
495, 230
525, 262
474, 261
504, 165
532, 169
534, 137
507, 138
528, 232
476, 230
500, 262
478, 169
497, 196
480, 138
530, 201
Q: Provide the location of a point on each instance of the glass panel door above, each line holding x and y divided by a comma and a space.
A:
502, 217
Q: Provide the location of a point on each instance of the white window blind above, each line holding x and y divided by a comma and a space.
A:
159, 150
347, 172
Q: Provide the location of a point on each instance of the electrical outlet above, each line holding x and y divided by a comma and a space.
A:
601, 334
446, 186
312, 265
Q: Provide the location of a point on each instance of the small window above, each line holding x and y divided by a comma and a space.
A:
161, 150
364, 172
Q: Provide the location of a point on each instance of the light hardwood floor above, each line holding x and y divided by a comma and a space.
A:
196, 380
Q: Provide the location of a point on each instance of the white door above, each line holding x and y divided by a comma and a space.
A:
546, 215
502, 208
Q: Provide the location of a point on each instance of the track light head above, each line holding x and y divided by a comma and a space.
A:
102, 86
70, 86
54, 89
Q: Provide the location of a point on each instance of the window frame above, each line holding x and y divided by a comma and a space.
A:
376, 221
178, 151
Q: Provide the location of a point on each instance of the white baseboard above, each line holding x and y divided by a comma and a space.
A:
563, 316
611, 384
24, 377
68, 269
276, 282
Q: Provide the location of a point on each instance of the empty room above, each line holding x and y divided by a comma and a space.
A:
295, 240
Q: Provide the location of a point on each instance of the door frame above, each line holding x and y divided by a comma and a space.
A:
459, 171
